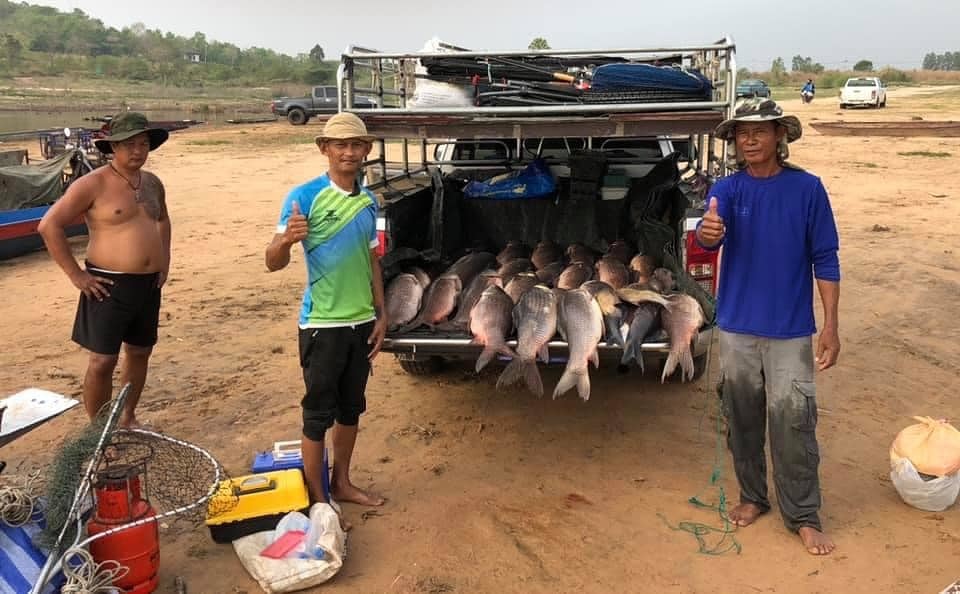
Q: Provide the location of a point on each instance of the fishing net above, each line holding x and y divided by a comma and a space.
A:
178, 479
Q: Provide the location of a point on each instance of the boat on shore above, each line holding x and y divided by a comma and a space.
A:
905, 128
26, 194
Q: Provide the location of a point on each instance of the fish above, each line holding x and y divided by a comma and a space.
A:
620, 250
520, 284
664, 278
470, 265
642, 265
514, 267
577, 252
403, 296
421, 275
580, 323
512, 251
491, 321
681, 318
550, 273
545, 254
646, 319
535, 318
637, 294
609, 302
575, 275
613, 272
461, 321
438, 303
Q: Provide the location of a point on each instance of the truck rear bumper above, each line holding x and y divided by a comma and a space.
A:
461, 348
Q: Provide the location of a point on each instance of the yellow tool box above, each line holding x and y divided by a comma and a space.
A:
254, 503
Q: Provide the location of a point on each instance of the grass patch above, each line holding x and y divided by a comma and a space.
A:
866, 165
209, 142
931, 154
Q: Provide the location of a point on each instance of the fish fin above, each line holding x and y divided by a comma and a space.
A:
686, 364
669, 366
614, 336
595, 358
544, 353
570, 379
506, 351
416, 323
518, 370
485, 356
450, 326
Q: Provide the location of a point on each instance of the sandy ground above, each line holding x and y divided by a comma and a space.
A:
502, 492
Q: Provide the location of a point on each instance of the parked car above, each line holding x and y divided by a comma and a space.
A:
323, 100
867, 91
752, 87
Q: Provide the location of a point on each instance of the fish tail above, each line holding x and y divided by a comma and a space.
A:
485, 357
686, 363
679, 355
632, 352
614, 336
416, 323
518, 370
573, 378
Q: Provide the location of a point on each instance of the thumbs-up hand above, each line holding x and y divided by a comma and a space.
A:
296, 226
712, 229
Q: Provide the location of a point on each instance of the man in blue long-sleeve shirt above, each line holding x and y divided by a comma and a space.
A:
777, 230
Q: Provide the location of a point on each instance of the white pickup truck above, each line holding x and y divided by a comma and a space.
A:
661, 145
866, 91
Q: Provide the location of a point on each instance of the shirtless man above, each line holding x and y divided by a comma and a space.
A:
127, 261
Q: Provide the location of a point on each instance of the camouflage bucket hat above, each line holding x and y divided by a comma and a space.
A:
759, 110
127, 125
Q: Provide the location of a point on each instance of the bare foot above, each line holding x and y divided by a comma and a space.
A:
817, 542
353, 494
745, 514
133, 423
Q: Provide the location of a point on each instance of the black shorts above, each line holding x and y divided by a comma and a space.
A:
130, 314
335, 371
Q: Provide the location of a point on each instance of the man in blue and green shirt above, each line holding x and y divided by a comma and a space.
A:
342, 320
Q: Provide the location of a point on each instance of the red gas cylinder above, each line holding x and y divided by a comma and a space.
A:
119, 501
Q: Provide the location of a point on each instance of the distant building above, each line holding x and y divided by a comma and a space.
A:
192, 57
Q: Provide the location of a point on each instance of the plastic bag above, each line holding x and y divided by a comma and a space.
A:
430, 93
292, 574
929, 495
533, 181
932, 446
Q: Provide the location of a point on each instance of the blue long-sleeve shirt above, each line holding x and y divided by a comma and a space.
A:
780, 234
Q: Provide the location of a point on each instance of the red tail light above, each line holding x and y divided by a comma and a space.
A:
701, 264
382, 236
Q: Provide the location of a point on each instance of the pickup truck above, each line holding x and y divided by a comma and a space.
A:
662, 153
323, 100
864, 91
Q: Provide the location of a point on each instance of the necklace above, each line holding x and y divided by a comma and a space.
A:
135, 188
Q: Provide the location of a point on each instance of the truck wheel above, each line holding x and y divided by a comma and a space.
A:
843, 106
297, 117
422, 366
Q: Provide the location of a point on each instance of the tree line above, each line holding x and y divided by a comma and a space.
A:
41, 40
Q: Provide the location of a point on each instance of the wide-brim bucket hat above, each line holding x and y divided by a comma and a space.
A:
343, 126
127, 125
759, 110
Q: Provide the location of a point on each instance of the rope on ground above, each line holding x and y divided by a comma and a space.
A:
727, 541
90, 577
17, 501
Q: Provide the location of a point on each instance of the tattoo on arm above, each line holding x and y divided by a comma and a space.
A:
153, 198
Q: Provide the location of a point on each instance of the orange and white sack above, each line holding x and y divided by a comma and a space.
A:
932, 446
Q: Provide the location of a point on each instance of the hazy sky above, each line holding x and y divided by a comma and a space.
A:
836, 33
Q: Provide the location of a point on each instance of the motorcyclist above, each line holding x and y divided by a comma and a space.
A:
808, 91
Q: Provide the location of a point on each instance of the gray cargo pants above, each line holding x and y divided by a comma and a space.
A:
770, 382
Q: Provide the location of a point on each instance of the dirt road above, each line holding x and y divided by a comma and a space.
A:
501, 492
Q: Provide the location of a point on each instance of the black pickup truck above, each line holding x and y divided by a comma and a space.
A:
323, 100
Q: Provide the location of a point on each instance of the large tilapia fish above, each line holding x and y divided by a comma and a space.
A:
403, 296
613, 272
469, 298
642, 267
637, 294
514, 267
438, 303
620, 250
491, 321
646, 319
520, 284
549, 274
535, 318
682, 317
609, 302
546, 253
577, 252
512, 251
470, 265
580, 322
575, 275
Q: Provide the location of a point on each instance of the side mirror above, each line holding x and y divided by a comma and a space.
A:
66, 132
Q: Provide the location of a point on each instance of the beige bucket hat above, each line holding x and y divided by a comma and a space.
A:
760, 110
344, 125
